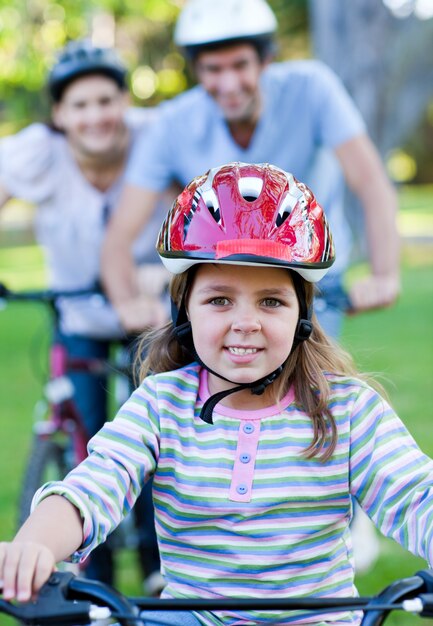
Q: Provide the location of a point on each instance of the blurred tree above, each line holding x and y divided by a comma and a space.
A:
420, 144
31, 32
384, 61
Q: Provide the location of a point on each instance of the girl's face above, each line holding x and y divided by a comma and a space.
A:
91, 114
243, 322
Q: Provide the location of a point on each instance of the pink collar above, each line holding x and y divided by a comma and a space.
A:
239, 414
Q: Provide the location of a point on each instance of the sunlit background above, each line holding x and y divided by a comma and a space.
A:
422, 9
32, 31
383, 52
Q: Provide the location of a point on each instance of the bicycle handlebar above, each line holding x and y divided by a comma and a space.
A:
338, 298
47, 295
66, 599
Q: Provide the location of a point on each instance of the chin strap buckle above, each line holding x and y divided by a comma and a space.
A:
303, 330
259, 386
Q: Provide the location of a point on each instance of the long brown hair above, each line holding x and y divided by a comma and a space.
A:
304, 369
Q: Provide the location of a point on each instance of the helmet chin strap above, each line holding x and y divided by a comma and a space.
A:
257, 388
183, 331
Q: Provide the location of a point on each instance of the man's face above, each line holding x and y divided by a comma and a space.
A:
232, 77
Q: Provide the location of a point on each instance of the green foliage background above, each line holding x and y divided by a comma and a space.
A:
32, 31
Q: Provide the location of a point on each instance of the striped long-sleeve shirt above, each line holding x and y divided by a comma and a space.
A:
240, 511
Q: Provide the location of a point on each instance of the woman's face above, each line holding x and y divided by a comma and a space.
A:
91, 114
243, 321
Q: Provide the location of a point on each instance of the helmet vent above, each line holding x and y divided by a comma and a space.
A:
285, 209
250, 188
211, 200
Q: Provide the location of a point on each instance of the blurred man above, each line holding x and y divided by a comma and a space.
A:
296, 115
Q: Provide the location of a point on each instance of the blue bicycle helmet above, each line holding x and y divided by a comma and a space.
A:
79, 58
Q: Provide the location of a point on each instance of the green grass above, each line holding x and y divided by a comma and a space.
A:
396, 343
22, 267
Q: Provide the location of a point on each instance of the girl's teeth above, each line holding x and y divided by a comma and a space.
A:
242, 350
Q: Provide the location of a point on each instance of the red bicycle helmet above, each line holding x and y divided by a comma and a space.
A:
247, 214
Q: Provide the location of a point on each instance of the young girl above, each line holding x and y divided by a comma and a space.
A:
255, 426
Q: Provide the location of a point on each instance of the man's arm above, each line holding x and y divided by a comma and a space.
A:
367, 178
118, 269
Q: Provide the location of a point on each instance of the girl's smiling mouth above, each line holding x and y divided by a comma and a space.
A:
242, 354
241, 351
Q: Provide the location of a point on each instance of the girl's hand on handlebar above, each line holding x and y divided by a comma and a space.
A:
374, 292
24, 567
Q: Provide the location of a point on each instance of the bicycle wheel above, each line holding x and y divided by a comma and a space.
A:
47, 461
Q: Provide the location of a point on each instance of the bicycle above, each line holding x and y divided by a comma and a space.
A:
69, 600
59, 438
58, 423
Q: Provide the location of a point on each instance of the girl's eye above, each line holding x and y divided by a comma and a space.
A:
271, 302
220, 301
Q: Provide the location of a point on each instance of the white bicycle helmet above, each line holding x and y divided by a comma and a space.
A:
206, 22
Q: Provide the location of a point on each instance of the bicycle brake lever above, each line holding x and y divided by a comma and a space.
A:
426, 598
427, 577
427, 604
52, 605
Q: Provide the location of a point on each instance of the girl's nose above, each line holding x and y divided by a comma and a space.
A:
246, 324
